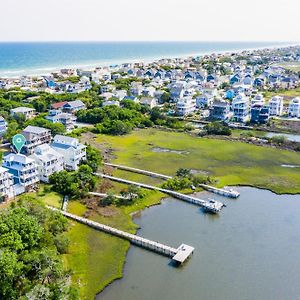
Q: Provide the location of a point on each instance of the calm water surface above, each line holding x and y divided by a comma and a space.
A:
289, 137
251, 251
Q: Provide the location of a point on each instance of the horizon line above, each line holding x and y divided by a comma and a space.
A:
145, 41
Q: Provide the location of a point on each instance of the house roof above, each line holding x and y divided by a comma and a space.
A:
45, 153
22, 109
20, 158
35, 129
58, 104
74, 104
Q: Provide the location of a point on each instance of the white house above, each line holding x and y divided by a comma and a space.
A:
151, 102
258, 99
204, 100
276, 106
35, 136
6, 184
28, 112
24, 171
294, 108
240, 107
185, 106
71, 149
48, 161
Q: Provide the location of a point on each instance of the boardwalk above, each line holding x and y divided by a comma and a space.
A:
180, 254
134, 170
211, 205
223, 192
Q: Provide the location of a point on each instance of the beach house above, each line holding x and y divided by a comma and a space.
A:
220, 110
48, 161
276, 106
35, 136
294, 108
24, 171
73, 106
28, 112
185, 106
6, 185
240, 107
72, 151
57, 116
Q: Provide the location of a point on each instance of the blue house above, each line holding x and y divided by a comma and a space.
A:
259, 82
235, 78
50, 82
210, 77
230, 94
259, 113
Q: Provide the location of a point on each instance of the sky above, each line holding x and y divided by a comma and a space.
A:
150, 20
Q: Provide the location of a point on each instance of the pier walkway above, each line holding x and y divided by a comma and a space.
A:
104, 195
211, 205
223, 192
179, 255
134, 170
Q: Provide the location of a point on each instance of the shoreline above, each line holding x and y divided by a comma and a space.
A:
168, 198
112, 63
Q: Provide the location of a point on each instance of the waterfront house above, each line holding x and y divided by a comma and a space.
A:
72, 151
204, 100
258, 99
35, 136
220, 110
294, 108
24, 171
185, 106
28, 112
6, 185
240, 107
48, 161
259, 113
276, 106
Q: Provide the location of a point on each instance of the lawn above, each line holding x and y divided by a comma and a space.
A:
287, 94
97, 258
233, 163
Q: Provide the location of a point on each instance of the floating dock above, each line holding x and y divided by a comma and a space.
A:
179, 255
211, 205
223, 192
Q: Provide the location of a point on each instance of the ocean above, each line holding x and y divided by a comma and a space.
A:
37, 58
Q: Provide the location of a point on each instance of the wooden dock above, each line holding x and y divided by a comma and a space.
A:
179, 255
211, 205
223, 192
140, 171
